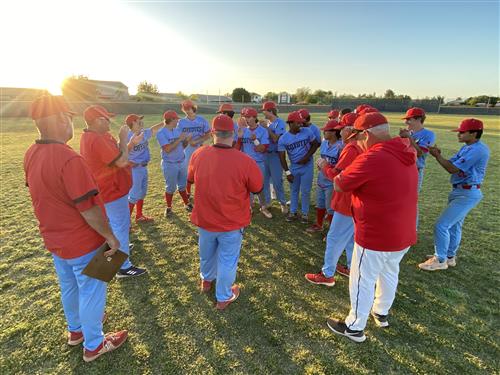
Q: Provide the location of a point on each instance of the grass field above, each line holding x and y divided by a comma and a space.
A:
443, 322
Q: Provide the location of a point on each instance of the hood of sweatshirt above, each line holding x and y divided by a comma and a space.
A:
401, 148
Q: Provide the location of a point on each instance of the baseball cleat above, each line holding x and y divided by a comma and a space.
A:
314, 229
319, 279
339, 327
304, 218
291, 217
188, 207
433, 264
168, 212
380, 320
266, 212
144, 219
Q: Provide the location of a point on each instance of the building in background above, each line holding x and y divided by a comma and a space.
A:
81, 89
256, 98
284, 98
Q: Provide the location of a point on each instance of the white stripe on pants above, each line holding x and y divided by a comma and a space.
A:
373, 280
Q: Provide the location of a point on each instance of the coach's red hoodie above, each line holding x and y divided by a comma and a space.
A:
383, 181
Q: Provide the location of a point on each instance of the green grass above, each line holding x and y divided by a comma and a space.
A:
443, 322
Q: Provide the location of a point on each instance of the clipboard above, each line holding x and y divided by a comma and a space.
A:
104, 268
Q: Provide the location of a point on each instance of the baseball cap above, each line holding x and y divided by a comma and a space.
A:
469, 124
368, 121
348, 119
267, 106
129, 120
223, 123
304, 113
295, 117
367, 110
170, 115
414, 112
333, 114
187, 104
360, 107
332, 125
49, 105
95, 111
249, 112
225, 107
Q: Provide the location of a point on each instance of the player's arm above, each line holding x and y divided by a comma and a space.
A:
202, 139
96, 220
168, 148
121, 160
310, 152
446, 164
156, 128
284, 165
272, 135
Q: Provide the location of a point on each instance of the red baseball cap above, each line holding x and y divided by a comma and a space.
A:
367, 110
187, 104
295, 117
94, 112
49, 105
414, 112
368, 121
225, 107
303, 112
170, 115
333, 114
332, 125
131, 118
469, 124
267, 106
348, 119
360, 107
249, 112
223, 123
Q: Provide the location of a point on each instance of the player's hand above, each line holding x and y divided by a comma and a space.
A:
321, 163
123, 134
253, 137
242, 122
137, 138
183, 136
303, 161
264, 123
434, 151
260, 148
114, 245
404, 133
290, 178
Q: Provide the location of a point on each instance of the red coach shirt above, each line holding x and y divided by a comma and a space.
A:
341, 202
224, 178
100, 151
383, 182
61, 186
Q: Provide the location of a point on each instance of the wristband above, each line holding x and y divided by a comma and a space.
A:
256, 142
288, 173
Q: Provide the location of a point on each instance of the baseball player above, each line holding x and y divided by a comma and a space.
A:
329, 150
139, 157
421, 139
300, 144
173, 141
108, 161
276, 127
333, 114
224, 178
304, 113
228, 110
253, 140
69, 210
467, 168
341, 233
383, 182
197, 127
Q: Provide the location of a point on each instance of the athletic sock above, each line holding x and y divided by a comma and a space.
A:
168, 199
320, 215
188, 188
140, 203
329, 218
184, 196
131, 208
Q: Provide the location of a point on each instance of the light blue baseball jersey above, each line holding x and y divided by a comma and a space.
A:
247, 145
423, 138
167, 136
297, 145
278, 127
316, 131
197, 127
331, 154
235, 136
472, 161
140, 152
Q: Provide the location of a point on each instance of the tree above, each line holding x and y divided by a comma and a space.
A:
145, 87
272, 96
389, 94
181, 95
492, 100
193, 97
240, 95
302, 94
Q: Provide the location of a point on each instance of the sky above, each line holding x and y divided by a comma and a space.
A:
420, 48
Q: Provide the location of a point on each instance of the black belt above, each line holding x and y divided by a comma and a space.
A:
466, 187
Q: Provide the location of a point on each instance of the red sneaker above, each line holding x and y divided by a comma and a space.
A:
236, 294
206, 286
111, 342
314, 228
76, 338
344, 271
144, 219
320, 279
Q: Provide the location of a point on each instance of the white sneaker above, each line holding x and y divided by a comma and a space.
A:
266, 212
452, 262
284, 209
433, 264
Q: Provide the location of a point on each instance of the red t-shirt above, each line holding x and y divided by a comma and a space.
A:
61, 186
383, 182
341, 202
100, 151
224, 178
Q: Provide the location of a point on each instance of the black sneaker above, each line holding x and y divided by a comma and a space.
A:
168, 211
130, 246
291, 217
340, 328
304, 218
189, 207
132, 271
380, 320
